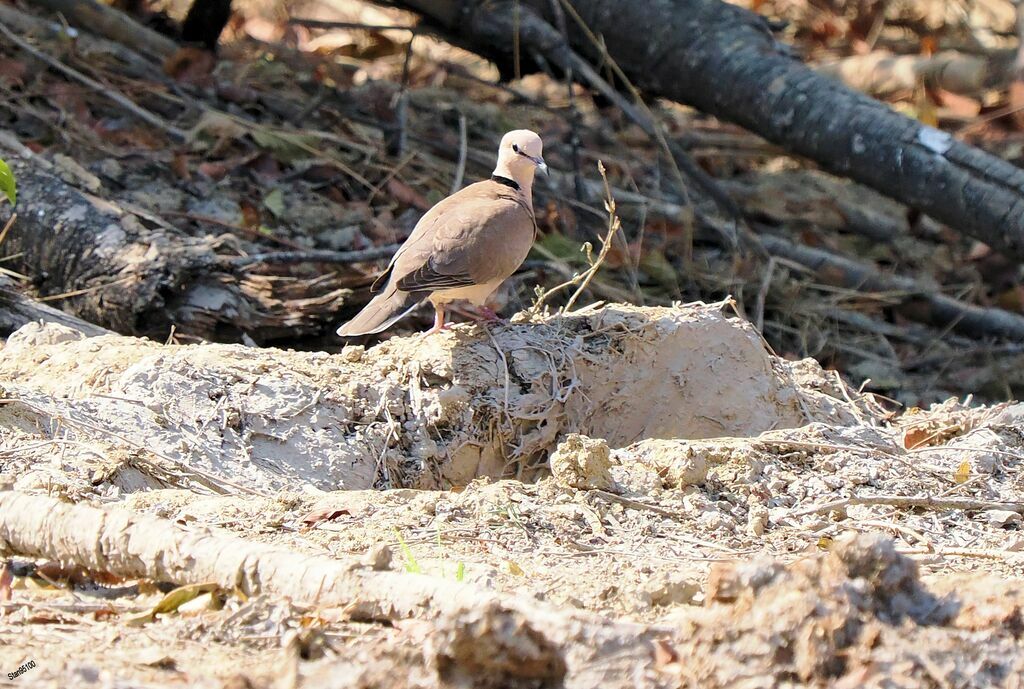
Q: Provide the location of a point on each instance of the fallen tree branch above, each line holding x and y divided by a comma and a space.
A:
17, 310
563, 646
724, 60
882, 73
920, 302
127, 270
110, 23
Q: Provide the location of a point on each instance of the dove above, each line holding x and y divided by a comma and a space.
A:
464, 247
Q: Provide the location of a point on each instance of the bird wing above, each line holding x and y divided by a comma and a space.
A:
476, 237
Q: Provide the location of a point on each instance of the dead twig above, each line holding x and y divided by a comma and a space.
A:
919, 301
762, 293
103, 89
460, 165
925, 501
319, 24
574, 113
313, 256
583, 279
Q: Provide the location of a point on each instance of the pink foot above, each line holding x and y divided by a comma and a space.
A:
489, 315
439, 323
438, 328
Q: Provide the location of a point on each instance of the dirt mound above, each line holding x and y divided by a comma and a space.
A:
410, 412
858, 617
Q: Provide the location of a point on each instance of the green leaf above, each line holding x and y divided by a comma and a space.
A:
274, 201
411, 565
286, 146
562, 247
7, 183
460, 572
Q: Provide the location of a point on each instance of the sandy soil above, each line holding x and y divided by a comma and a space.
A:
802, 544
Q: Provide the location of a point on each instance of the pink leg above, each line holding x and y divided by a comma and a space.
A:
439, 323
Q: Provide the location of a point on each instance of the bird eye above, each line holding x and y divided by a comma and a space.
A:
515, 147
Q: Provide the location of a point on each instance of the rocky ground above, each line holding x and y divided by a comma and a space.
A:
758, 522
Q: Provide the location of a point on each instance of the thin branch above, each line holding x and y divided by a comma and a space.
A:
913, 501
313, 256
103, 89
319, 24
460, 166
583, 279
921, 302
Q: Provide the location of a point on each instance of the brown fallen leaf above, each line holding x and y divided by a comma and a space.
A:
323, 515
179, 164
191, 65
405, 194
215, 171
913, 437
1017, 103
13, 73
6, 579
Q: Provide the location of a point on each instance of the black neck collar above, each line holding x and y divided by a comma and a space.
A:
506, 181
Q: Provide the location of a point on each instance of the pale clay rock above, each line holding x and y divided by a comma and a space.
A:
37, 334
681, 463
583, 463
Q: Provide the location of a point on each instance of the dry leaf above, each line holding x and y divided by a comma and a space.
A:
914, 437
664, 654
405, 194
274, 202
191, 65
327, 514
171, 602
963, 472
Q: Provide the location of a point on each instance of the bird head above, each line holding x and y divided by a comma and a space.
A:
519, 155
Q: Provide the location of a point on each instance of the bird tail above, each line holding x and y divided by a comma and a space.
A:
382, 312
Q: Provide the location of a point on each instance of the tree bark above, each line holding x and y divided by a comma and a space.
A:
921, 303
17, 310
127, 270
723, 60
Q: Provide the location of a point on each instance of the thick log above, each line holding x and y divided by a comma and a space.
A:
920, 302
127, 270
530, 640
723, 60
17, 310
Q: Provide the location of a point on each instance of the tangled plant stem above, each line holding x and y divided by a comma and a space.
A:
581, 280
